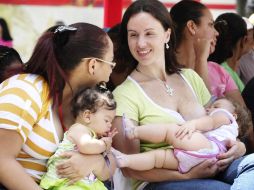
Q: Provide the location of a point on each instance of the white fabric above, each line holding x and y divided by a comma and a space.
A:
224, 132
121, 182
189, 159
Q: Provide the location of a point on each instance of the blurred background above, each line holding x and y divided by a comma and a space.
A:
27, 19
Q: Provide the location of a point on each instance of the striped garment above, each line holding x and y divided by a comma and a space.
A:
25, 107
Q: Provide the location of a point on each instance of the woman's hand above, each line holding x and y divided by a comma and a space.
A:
77, 166
206, 169
236, 149
202, 48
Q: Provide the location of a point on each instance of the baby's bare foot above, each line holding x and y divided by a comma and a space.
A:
121, 159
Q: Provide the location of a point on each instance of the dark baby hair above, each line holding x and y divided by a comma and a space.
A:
92, 98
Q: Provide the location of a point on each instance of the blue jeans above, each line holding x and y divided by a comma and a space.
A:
2, 187
239, 175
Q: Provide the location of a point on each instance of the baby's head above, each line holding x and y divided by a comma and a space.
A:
221, 103
95, 108
241, 114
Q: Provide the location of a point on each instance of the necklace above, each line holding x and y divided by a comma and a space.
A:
168, 89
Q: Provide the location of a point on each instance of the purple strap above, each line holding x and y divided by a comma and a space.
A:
110, 171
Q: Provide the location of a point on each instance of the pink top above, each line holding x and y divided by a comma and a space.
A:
220, 81
5, 43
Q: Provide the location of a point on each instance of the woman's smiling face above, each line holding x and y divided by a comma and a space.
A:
146, 38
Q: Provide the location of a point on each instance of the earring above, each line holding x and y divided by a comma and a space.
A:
167, 46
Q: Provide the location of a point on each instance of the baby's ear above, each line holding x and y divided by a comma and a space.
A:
235, 116
86, 116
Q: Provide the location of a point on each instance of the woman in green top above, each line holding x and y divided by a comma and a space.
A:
157, 91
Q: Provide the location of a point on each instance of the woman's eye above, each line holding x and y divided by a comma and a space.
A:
150, 34
211, 24
133, 35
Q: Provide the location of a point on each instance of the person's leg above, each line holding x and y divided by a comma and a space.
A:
239, 173
245, 174
153, 159
229, 175
195, 184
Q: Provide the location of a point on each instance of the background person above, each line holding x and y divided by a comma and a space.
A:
196, 39
9, 58
246, 62
230, 44
5, 36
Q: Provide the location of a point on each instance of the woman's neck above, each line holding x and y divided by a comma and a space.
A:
75, 84
185, 54
155, 71
233, 63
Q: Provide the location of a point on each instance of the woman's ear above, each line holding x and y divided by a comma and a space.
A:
191, 26
240, 47
168, 33
244, 41
92, 66
86, 116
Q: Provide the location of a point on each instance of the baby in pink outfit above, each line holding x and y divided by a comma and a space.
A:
192, 142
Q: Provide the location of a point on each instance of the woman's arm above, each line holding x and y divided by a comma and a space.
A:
77, 166
12, 174
206, 169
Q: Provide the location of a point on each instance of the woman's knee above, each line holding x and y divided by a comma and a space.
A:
247, 164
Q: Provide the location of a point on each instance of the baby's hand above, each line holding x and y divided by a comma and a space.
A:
188, 128
108, 142
112, 133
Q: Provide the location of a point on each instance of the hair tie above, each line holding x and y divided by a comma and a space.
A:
62, 34
102, 87
62, 28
